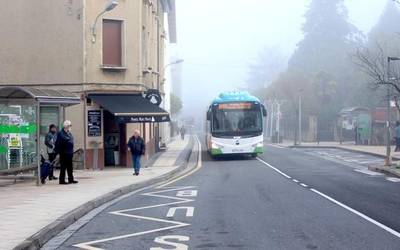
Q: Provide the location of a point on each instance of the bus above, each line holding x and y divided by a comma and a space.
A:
235, 125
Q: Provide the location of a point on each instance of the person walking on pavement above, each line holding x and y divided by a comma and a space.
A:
65, 148
397, 130
50, 142
137, 147
183, 131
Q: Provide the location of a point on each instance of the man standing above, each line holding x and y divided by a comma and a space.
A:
397, 130
137, 147
183, 131
65, 147
50, 142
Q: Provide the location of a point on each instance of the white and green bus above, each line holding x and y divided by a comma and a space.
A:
235, 125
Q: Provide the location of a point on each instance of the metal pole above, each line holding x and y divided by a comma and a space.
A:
278, 117
38, 158
271, 119
300, 136
388, 158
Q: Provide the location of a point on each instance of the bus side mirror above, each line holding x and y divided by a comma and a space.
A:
208, 115
264, 110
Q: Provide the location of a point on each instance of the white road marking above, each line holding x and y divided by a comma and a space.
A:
276, 146
187, 193
277, 170
295, 180
368, 172
178, 246
393, 179
303, 185
175, 224
386, 228
189, 211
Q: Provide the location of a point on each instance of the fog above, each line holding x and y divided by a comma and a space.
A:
220, 39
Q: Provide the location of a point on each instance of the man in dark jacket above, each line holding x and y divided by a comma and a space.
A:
137, 147
65, 147
50, 142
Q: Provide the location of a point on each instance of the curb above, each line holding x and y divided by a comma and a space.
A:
346, 149
37, 240
384, 170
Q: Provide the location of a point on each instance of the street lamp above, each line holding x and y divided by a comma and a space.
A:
300, 102
111, 4
388, 159
179, 61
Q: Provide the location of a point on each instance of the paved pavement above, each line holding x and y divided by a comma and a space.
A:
25, 208
286, 199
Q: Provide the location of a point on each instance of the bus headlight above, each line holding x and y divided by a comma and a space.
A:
216, 146
259, 145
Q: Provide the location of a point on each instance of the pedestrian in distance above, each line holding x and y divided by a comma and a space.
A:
50, 142
183, 131
397, 139
65, 148
138, 148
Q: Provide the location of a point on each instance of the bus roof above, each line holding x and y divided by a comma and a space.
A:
237, 96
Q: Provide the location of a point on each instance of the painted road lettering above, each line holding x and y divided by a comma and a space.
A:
189, 211
187, 193
164, 240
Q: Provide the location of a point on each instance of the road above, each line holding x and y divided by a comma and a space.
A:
285, 199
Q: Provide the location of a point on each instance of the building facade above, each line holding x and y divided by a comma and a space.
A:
103, 51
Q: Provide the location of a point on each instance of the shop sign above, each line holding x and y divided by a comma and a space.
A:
94, 123
153, 95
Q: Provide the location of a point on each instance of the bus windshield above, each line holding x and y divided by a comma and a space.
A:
236, 122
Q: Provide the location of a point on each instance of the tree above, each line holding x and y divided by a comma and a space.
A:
328, 37
176, 104
269, 64
384, 40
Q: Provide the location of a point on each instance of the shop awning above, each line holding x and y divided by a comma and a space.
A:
130, 108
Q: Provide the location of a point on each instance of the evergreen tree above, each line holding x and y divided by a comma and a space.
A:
328, 38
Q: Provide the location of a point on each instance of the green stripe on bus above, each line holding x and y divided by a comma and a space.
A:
15, 129
3, 150
215, 151
259, 150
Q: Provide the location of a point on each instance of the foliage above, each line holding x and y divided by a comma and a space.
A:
372, 57
176, 104
269, 64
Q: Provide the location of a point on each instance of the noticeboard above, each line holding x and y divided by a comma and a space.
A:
94, 123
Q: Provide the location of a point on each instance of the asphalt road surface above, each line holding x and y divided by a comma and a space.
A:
285, 199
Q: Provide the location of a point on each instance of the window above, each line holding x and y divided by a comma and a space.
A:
112, 43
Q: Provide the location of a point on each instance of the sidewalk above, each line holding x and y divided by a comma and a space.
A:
25, 209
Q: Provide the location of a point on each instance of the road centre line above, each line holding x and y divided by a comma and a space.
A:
274, 168
365, 217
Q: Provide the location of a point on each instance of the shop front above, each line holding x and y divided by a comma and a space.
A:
112, 118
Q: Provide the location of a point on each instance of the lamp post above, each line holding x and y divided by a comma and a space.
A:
179, 61
300, 120
111, 4
388, 159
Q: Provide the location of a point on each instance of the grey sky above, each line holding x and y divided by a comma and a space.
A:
219, 38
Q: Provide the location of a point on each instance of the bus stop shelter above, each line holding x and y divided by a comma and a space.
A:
24, 122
